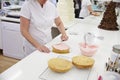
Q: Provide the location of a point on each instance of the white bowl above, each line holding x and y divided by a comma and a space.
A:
110, 76
88, 50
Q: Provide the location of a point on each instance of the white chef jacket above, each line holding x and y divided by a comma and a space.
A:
41, 21
84, 10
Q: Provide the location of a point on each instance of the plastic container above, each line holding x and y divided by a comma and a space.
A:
88, 50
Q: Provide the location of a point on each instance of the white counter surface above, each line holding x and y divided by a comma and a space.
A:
33, 65
13, 7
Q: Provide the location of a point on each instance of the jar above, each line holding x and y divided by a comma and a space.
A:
115, 55
89, 38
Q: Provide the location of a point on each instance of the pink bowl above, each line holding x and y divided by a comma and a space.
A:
88, 50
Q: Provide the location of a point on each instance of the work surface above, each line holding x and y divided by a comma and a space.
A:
34, 66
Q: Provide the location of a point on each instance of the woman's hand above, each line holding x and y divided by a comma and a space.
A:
64, 37
43, 48
95, 13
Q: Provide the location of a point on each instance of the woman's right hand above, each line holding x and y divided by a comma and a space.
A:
64, 37
95, 13
43, 48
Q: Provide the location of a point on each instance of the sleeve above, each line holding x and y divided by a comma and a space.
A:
56, 13
25, 11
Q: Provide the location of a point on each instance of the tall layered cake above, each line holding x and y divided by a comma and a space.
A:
109, 21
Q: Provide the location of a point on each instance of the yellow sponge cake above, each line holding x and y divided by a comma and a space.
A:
59, 64
83, 61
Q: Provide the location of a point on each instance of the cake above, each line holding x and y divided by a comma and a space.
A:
60, 48
109, 21
82, 61
59, 65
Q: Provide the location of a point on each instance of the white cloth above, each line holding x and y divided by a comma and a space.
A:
116, 0
41, 21
84, 10
54, 2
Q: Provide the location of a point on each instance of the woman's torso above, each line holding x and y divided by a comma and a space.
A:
84, 10
41, 21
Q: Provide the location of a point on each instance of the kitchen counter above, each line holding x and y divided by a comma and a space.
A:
31, 67
8, 19
13, 7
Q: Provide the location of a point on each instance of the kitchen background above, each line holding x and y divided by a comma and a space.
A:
11, 40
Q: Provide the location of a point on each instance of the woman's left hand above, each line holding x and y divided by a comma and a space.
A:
64, 37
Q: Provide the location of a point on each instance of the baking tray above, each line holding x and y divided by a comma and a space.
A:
73, 74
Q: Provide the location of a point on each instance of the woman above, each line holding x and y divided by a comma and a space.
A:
86, 9
36, 19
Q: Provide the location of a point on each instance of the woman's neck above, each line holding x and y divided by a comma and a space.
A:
40, 3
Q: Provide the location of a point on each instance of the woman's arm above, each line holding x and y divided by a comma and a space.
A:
24, 27
61, 28
90, 8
